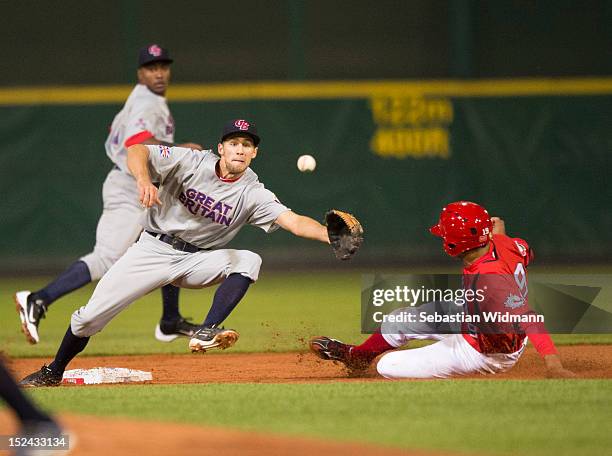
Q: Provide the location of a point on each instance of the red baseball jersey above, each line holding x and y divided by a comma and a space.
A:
501, 275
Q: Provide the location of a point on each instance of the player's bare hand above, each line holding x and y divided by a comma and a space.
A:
560, 372
148, 194
190, 145
499, 227
555, 369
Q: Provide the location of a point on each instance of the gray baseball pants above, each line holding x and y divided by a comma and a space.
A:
118, 226
150, 264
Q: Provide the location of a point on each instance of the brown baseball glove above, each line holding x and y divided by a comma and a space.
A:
345, 233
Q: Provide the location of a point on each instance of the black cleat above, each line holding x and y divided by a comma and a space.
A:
167, 331
330, 349
44, 377
30, 310
206, 338
333, 350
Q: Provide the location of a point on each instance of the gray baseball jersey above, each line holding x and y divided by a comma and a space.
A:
199, 207
144, 115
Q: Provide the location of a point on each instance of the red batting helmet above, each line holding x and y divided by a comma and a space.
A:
463, 226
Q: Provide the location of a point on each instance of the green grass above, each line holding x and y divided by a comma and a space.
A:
477, 417
472, 416
279, 312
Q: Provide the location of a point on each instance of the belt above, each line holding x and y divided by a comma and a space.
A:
176, 243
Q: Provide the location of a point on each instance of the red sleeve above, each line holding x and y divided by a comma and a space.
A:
543, 343
138, 138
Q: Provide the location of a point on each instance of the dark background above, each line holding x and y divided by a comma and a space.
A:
94, 41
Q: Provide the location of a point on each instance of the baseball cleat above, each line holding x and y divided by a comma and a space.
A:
167, 331
30, 311
329, 349
43, 377
207, 338
333, 350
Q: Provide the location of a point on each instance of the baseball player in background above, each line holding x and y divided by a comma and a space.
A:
202, 203
144, 119
491, 261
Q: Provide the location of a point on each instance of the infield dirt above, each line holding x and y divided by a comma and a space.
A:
98, 436
588, 361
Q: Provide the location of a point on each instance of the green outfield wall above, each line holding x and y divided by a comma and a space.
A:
536, 152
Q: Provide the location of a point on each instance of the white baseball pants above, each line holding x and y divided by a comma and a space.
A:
450, 356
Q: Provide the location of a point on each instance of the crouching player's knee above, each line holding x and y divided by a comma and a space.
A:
396, 330
99, 263
405, 364
392, 325
386, 366
246, 263
83, 324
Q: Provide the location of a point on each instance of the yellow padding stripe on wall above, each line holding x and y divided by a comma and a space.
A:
62, 95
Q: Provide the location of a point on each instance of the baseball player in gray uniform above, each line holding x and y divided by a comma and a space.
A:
145, 119
202, 203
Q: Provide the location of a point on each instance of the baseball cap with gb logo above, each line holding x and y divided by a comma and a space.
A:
153, 53
240, 126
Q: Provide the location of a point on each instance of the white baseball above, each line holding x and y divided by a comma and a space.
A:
306, 163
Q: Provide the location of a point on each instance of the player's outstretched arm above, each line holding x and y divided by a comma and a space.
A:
137, 161
542, 342
302, 226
